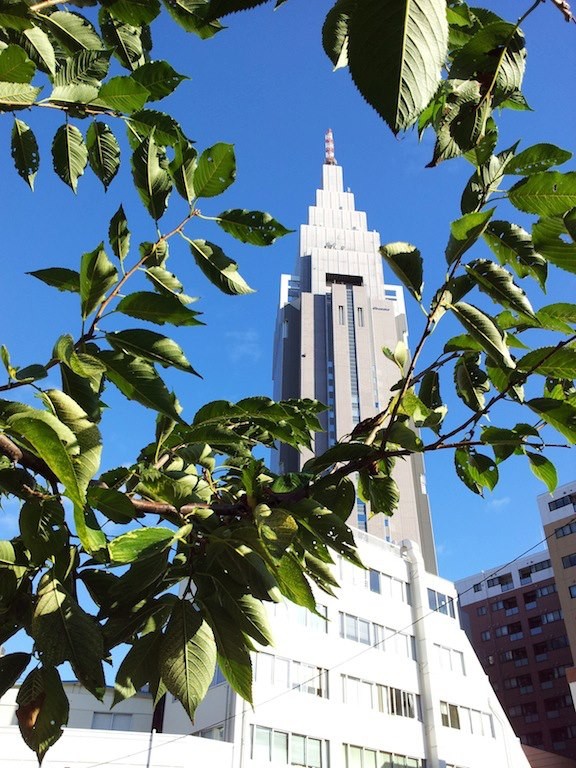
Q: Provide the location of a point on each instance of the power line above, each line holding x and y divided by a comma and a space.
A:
339, 664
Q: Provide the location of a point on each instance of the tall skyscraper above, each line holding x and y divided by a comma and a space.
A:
335, 315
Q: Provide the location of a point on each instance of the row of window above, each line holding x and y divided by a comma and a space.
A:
283, 748
377, 636
568, 561
562, 502
441, 603
287, 673
565, 530
381, 698
470, 720
510, 604
552, 707
505, 580
300, 616
375, 581
362, 757
449, 659
559, 737
520, 655
514, 630
546, 679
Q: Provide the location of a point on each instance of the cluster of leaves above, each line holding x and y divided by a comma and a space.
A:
231, 533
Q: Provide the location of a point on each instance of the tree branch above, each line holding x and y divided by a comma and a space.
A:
27, 460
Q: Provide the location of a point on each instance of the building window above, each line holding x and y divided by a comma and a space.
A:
562, 502
216, 733
382, 698
449, 714
481, 610
485, 635
289, 674
441, 603
572, 590
341, 314
526, 573
109, 721
547, 676
450, 659
569, 560
282, 748
383, 638
565, 530
300, 616
534, 739
362, 757
360, 317
478, 587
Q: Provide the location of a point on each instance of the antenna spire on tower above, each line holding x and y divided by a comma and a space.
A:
329, 148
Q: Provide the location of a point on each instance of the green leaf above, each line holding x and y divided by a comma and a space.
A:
406, 263
139, 544
15, 66
126, 40
97, 276
337, 495
69, 154
159, 79
14, 15
103, 152
182, 169
166, 283
157, 309
25, 151
400, 434
550, 193
550, 361
483, 329
116, 506
151, 177
81, 363
59, 277
216, 170
252, 227
140, 125
122, 94
497, 282
543, 469
548, 235
187, 656
11, 667
137, 668
78, 78
39, 48
471, 382
560, 415
191, 16
464, 232
537, 158
384, 495
73, 31
137, 380
46, 435
136, 12
218, 268
42, 709
476, 470
88, 438
341, 452
395, 53
63, 631
41, 527
293, 583
17, 96
335, 32
218, 8
485, 181
513, 246
151, 346
119, 235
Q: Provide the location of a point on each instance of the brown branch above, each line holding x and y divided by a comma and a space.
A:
27, 460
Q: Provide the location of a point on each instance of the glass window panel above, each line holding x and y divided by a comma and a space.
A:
354, 757
264, 668
350, 627
370, 758
297, 750
102, 720
280, 748
487, 725
454, 717
384, 760
365, 695
364, 631
121, 722
261, 743
281, 673
374, 581
314, 753
476, 721
432, 600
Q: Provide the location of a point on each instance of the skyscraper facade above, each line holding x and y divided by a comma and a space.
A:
336, 314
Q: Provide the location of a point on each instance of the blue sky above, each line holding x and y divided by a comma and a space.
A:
265, 85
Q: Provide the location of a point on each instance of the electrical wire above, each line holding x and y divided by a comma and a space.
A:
339, 664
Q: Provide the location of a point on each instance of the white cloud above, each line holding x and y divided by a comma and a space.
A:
504, 501
244, 345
